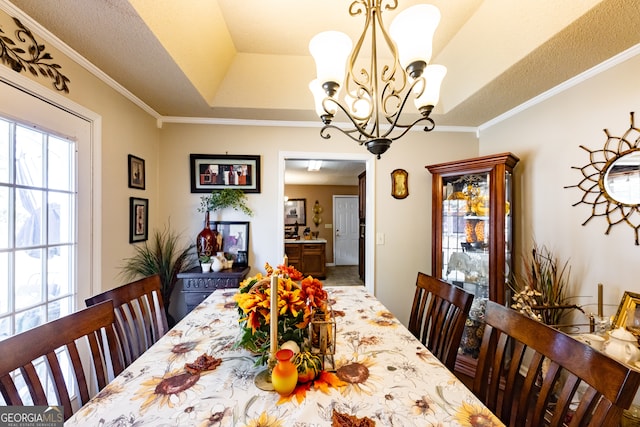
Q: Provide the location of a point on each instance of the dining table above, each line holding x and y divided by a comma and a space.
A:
381, 375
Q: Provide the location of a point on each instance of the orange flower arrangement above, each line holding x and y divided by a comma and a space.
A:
295, 304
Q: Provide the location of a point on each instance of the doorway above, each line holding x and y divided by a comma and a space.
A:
369, 164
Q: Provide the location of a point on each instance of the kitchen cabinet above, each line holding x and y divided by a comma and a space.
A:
472, 226
307, 256
362, 210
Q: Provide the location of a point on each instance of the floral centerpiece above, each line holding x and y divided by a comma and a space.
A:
297, 298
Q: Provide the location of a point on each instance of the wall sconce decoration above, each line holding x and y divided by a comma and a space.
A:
611, 180
317, 210
399, 183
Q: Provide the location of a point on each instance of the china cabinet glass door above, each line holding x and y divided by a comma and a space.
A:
472, 211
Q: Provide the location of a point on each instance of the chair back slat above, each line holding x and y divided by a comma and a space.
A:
44, 345
530, 374
438, 315
140, 315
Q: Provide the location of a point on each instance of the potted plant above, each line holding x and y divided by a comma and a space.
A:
225, 198
165, 255
205, 263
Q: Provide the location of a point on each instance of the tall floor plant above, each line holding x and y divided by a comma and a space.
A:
164, 254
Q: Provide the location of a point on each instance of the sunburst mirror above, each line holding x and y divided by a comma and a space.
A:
611, 180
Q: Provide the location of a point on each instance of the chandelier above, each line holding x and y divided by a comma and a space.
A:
375, 92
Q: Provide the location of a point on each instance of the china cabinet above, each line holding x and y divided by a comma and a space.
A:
472, 224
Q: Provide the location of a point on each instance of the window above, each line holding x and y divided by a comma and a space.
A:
37, 226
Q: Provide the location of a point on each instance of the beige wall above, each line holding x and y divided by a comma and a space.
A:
324, 195
547, 139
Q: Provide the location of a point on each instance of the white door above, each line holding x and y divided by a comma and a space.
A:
345, 222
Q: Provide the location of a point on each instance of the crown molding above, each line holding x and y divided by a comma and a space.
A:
586, 75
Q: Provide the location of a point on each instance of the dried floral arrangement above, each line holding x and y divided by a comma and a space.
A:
541, 292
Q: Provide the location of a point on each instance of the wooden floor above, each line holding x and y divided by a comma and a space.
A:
343, 275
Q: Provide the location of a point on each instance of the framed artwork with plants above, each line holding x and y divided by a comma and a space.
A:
211, 172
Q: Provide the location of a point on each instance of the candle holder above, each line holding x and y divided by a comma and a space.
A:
322, 335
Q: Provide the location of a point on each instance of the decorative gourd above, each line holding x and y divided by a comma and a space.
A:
309, 366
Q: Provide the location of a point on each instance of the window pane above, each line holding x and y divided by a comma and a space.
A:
5, 327
61, 207
29, 319
60, 268
60, 164
4, 283
28, 278
29, 164
4, 217
4, 151
59, 308
29, 224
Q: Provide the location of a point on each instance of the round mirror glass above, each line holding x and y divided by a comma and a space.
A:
622, 179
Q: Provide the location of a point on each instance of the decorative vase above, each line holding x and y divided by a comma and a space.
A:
216, 264
284, 376
207, 240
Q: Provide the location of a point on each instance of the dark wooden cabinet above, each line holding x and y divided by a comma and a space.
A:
362, 214
472, 226
362, 195
308, 258
196, 285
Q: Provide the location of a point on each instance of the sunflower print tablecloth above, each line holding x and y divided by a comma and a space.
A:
384, 374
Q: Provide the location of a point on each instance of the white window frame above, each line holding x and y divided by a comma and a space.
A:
90, 231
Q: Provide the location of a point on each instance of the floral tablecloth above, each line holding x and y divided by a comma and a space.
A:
386, 375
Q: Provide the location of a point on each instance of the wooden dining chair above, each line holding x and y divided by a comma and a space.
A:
438, 316
65, 355
141, 319
530, 374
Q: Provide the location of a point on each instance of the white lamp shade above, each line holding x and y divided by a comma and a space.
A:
318, 97
330, 50
412, 30
433, 74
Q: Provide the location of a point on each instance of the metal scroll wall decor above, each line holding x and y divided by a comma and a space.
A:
29, 55
611, 180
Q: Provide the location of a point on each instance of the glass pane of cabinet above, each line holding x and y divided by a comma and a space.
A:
466, 232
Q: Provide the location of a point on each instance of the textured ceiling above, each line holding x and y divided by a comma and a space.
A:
248, 59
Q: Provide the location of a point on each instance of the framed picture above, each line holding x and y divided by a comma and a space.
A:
217, 171
138, 219
136, 172
295, 211
399, 183
628, 314
235, 238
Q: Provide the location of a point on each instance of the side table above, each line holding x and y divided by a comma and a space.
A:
196, 285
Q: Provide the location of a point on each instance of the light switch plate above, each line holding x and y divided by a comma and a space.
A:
328, 226
379, 238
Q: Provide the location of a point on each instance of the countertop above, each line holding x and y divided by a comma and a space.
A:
305, 241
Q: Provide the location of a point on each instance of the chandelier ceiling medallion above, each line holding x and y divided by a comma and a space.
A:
372, 90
